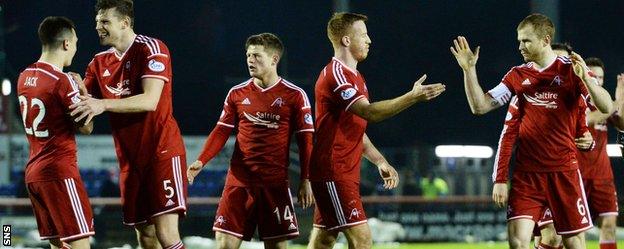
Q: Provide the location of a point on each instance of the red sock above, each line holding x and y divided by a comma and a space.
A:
544, 246
611, 244
178, 245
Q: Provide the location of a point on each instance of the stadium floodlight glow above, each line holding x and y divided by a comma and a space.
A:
468, 151
6, 87
613, 150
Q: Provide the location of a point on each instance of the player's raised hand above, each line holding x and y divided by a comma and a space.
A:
465, 57
585, 142
389, 175
426, 92
619, 90
305, 196
81, 85
193, 170
87, 108
499, 194
580, 68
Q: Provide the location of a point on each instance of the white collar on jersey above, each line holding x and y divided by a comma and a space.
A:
53, 66
546, 67
279, 80
124, 53
345, 66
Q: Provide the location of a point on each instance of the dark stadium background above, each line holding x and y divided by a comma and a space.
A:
409, 38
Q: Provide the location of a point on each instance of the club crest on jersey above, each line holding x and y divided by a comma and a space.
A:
156, 66
264, 119
308, 118
354, 212
557, 81
545, 99
219, 220
277, 102
348, 93
122, 88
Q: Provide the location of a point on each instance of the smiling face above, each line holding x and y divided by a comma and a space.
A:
110, 26
261, 61
359, 41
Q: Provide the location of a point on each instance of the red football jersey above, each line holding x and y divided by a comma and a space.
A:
509, 136
338, 149
595, 164
140, 138
45, 94
265, 119
548, 100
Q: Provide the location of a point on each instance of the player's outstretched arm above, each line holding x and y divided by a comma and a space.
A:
378, 111
214, 143
479, 102
386, 171
600, 97
618, 120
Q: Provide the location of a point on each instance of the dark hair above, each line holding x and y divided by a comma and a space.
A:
594, 62
53, 30
542, 25
562, 46
268, 40
339, 24
123, 7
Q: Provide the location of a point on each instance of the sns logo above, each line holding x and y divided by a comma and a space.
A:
156, 66
6, 235
545, 99
348, 93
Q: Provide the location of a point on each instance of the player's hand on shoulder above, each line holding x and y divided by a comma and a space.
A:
81, 86
465, 57
422, 92
619, 89
389, 175
193, 170
500, 194
305, 196
87, 109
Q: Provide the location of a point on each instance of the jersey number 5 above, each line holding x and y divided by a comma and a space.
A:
35, 124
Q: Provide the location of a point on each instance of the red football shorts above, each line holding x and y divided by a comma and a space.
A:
157, 189
602, 197
532, 193
338, 205
62, 209
270, 208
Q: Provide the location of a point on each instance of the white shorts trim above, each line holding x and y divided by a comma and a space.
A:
216, 229
280, 236
347, 225
608, 214
77, 236
577, 230
520, 217
48, 237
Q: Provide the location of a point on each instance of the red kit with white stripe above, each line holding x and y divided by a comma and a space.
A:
149, 144
58, 196
266, 119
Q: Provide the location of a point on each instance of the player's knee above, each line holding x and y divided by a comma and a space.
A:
361, 241
553, 240
608, 227
517, 243
147, 236
166, 227
83, 243
225, 241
